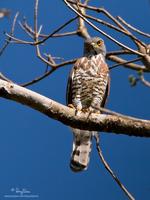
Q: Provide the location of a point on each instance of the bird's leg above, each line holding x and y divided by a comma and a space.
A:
92, 110
95, 105
77, 109
77, 103
85, 110
71, 106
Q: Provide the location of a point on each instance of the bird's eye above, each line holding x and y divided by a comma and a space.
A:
99, 43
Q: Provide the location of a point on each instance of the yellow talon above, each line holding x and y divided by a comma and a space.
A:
71, 106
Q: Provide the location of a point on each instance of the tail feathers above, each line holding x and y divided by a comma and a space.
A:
81, 150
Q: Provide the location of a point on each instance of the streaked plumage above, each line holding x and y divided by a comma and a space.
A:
87, 90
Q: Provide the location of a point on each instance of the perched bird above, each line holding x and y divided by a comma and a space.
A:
87, 91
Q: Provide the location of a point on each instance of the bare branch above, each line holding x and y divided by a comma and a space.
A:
117, 52
145, 82
125, 63
11, 33
17, 40
107, 167
37, 79
82, 29
63, 34
22, 25
35, 20
66, 115
54, 67
30, 32
125, 32
57, 30
102, 32
128, 65
133, 28
102, 10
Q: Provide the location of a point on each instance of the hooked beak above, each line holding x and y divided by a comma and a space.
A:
93, 44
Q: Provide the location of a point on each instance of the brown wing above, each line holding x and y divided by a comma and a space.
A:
80, 63
106, 94
83, 63
69, 88
103, 69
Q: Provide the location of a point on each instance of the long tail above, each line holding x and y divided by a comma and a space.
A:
81, 149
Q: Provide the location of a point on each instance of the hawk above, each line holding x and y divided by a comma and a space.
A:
87, 91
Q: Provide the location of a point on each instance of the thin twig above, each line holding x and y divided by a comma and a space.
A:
71, 33
127, 33
124, 63
132, 66
145, 82
133, 28
25, 30
54, 67
102, 10
29, 31
17, 40
117, 52
82, 29
111, 112
102, 32
37, 79
57, 30
35, 20
107, 167
11, 33
121, 27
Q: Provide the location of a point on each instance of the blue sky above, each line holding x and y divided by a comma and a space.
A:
35, 150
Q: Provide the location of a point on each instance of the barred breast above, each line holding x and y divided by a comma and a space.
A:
89, 82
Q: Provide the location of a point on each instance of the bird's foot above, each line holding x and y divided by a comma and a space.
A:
77, 109
92, 110
71, 106
85, 110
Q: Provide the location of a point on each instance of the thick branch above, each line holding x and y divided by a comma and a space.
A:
66, 115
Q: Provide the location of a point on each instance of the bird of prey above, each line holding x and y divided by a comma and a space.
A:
87, 91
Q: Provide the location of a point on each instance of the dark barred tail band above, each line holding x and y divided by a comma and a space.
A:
76, 166
81, 150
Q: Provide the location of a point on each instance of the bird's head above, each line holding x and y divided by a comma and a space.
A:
94, 46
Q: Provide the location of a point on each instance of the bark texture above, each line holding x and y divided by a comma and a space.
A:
97, 122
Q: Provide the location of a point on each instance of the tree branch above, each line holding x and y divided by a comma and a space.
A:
66, 115
132, 66
133, 28
107, 167
100, 31
11, 33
